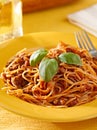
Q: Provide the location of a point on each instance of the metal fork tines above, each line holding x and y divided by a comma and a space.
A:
85, 42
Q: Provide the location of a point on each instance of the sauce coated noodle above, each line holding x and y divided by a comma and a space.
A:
72, 85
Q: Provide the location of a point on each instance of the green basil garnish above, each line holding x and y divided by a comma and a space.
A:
37, 56
48, 68
70, 58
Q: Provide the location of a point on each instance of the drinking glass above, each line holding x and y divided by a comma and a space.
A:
10, 19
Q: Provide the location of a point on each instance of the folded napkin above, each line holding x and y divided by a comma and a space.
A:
86, 19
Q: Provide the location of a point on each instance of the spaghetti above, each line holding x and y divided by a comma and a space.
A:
72, 85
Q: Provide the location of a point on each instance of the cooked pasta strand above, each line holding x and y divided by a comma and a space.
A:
72, 85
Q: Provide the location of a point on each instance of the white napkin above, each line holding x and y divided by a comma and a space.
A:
86, 19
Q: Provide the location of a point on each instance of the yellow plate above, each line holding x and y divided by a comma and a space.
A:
8, 49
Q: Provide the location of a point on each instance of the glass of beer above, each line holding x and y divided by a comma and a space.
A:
10, 19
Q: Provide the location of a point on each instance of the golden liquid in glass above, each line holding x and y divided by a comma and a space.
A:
10, 19
6, 17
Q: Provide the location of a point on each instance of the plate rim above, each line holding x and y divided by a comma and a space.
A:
76, 109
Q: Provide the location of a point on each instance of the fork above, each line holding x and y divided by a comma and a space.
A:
84, 41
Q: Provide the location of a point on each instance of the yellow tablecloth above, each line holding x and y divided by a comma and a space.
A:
43, 21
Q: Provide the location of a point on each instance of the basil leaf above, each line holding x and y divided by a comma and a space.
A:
48, 68
70, 58
37, 56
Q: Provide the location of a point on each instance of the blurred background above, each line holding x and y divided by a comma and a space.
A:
51, 15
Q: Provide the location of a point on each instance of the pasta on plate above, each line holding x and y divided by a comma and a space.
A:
64, 76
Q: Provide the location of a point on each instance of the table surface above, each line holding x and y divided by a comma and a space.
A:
54, 19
